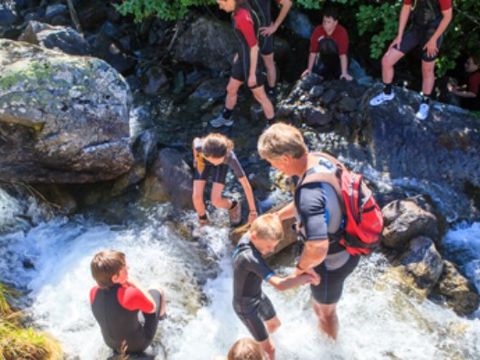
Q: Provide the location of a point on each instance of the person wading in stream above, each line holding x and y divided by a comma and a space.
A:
213, 155
267, 29
319, 216
116, 302
247, 66
429, 20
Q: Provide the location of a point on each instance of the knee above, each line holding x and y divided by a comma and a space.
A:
272, 327
231, 90
386, 62
216, 201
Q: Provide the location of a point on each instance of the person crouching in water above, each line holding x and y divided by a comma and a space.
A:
247, 65
116, 302
251, 305
213, 155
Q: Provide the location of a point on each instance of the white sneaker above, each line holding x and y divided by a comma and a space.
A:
381, 98
423, 111
220, 121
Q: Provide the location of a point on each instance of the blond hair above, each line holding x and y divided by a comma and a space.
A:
246, 349
281, 139
267, 227
106, 264
216, 145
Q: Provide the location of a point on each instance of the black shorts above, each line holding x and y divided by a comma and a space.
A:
266, 45
254, 318
417, 35
240, 71
330, 288
218, 173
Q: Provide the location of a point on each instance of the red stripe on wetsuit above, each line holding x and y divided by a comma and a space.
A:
244, 23
128, 297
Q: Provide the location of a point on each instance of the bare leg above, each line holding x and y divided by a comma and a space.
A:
389, 60
232, 92
327, 318
428, 74
163, 303
271, 69
262, 98
217, 197
269, 348
273, 324
197, 196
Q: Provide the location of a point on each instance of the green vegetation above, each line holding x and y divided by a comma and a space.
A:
376, 22
17, 342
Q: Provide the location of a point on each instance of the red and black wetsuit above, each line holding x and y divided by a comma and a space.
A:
245, 25
116, 311
425, 17
263, 9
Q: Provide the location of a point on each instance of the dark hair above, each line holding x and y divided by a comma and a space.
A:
331, 11
106, 264
216, 145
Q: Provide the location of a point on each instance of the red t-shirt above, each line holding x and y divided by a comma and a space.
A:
474, 82
339, 35
130, 298
244, 23
444, 4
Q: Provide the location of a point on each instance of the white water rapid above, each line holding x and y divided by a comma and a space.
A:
51, 261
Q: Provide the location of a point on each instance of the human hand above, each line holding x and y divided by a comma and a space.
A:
268, 30
306, 73
315, 278
203, 220
346, 76
395, 43
252, 81
431, 47
252, 215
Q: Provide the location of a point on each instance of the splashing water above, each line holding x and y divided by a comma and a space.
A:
377, 320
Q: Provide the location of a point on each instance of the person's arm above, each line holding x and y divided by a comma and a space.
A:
311, 61
290, 281
250, 199
287, 212
252, 77
431, 45
133, 283
344, 66
197, 198
269, 30
402, 23
314, 253
464, 93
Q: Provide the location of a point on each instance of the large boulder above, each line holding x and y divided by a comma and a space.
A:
404, 220
63, 119
457, 290
437, 157
207, 42
60, 38
169, 179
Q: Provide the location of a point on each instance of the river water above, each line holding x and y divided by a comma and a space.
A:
49, 260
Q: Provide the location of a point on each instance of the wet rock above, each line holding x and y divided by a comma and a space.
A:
169, 179
404, 220
63, 119
457, 290
347, 104
55, 37
55, 10
329, 96
318, 117
207, 42
58, 197
154, 80
214, 89
310, 81
422, 261
108, 49
8, 16
316, 91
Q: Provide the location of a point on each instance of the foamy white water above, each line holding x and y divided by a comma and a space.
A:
377, 320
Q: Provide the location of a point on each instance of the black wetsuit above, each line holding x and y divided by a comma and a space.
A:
320, 216
121, 326
264, 10
252, 306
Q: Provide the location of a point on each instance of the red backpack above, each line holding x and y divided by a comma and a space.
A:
363, 217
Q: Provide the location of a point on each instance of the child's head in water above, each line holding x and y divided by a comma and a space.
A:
246, 349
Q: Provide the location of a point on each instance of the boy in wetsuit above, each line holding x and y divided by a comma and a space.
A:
117, 301
251, 305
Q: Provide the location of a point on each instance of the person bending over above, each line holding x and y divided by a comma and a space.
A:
213, 155
267, 29
250, 303
116, 302
469, 93
429, 20
329, 48
247, 66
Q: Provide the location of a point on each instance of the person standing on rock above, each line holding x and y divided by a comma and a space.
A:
267, 29
319, 217
429, 20
213, 155
329, 48
247, 66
